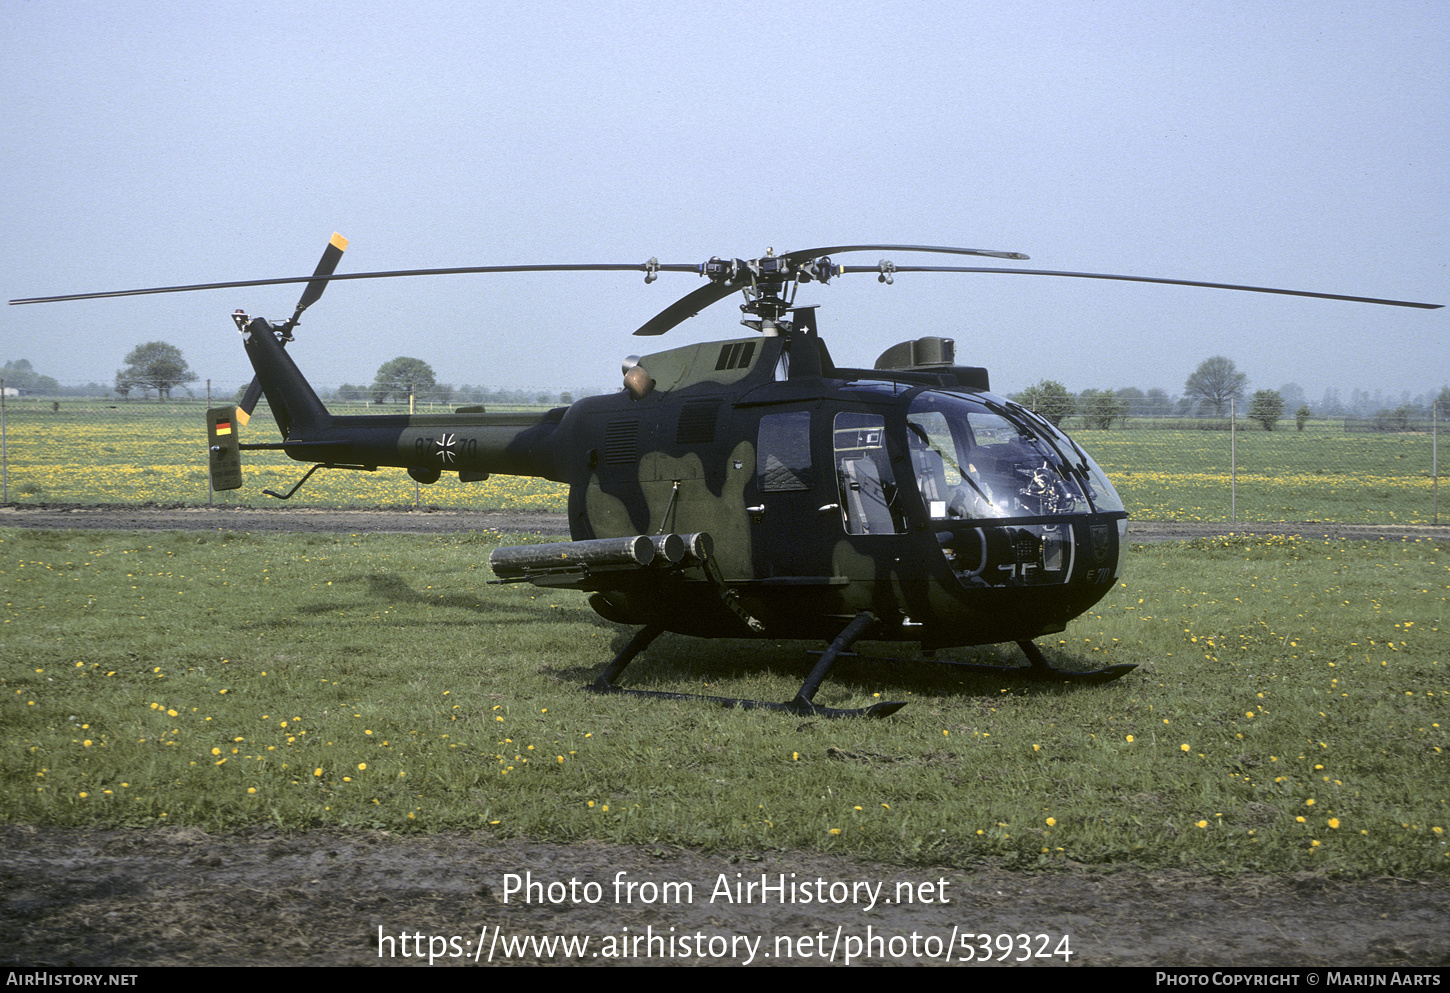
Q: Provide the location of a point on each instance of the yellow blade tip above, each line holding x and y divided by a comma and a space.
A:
338, 242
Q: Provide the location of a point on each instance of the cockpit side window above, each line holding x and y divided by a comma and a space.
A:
870, 501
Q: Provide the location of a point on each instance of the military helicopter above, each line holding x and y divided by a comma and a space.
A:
752, 487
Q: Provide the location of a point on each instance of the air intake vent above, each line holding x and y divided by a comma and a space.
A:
735, 356
621, 443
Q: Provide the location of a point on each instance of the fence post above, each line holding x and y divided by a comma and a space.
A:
1434, 461
4, 450
208, 457
1233, 462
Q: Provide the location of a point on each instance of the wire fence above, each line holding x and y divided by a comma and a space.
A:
103, 449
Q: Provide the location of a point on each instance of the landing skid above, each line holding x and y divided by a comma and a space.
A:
802, 705
1038, 669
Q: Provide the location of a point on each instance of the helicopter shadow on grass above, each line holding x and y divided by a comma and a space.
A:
386, 588
888, 670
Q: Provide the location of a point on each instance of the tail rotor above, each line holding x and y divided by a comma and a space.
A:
310, 294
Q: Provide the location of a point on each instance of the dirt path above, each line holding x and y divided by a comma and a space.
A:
182, 897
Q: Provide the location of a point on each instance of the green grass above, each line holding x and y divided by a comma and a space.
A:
230, 680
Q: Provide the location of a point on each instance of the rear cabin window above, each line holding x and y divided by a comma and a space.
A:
783, 452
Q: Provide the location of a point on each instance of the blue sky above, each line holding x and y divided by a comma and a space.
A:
1286, 144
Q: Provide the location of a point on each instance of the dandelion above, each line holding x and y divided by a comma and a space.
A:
833, 830
1130, 739
1052, 822
1334, 823
1203, 824
1183, 747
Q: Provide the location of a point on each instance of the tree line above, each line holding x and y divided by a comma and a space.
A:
1217, 386
159, 367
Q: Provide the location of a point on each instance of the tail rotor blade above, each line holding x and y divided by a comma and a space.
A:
249, 401
325, 267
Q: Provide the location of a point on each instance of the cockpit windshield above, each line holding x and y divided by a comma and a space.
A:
996, 480
977, 459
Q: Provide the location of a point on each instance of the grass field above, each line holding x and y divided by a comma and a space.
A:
95, 452
1289, 712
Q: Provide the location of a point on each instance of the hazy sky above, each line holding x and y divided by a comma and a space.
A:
1294, 144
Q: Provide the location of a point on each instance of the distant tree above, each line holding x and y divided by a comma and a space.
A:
1101, 407
155, 366
123, 384
1134, 398
1301, 416
1442, 402
22, 377
401, 378
1293, 396
1049, 399
1156, 403
1267, 407
1214, 383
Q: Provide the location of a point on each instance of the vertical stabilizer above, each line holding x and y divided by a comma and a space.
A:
296, 407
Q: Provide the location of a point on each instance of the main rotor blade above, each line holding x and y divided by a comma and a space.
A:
689, 305
1148, 279
815, 253
587, 267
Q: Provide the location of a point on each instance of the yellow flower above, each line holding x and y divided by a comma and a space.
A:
1203, 824
1309, 802
1051, 821
1183, 747
833, 830
1130, 738
1334, 823
362, 766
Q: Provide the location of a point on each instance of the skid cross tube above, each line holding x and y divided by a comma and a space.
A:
802, 705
